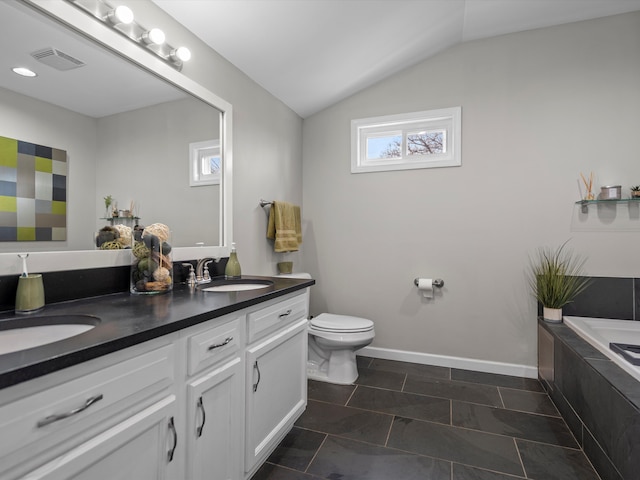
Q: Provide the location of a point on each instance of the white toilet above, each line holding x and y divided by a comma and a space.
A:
333, 341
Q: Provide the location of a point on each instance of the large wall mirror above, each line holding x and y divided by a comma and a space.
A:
126, 120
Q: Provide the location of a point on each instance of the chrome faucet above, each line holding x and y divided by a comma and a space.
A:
202, 269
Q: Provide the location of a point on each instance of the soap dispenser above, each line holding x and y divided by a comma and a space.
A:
30, 291
232, 269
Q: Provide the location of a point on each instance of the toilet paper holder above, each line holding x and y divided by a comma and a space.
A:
438, 282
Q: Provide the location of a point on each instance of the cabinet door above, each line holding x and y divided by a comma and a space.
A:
276, 390
214, 442
141, 448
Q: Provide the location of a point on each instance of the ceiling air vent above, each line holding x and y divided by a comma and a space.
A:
57, 59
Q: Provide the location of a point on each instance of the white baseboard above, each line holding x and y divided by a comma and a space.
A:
486, 366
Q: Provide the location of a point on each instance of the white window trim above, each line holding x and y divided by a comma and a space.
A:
197, 177
448, 119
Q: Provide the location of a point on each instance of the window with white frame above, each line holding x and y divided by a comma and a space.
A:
406, 141
204, 163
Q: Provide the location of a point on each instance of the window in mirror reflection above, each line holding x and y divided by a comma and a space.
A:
204, 163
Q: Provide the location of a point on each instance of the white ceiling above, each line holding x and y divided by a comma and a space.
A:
313, 53
106, 85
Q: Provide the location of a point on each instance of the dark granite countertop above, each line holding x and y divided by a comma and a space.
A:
127, 320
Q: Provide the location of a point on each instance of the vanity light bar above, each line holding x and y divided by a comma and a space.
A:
121, 19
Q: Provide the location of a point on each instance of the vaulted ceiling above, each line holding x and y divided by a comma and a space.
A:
313, 53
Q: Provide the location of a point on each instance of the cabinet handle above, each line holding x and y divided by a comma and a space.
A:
204, 417
171, 451
255, 386
218, 345
285, 314
70, 413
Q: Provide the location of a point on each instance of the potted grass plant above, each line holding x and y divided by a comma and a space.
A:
635, 191
555, 277
108, 200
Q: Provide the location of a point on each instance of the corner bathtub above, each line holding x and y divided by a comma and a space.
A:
600, 332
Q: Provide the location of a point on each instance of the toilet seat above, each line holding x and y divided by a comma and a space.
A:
328, 322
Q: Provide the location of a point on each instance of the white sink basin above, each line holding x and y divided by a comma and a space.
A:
236, 285
30, 332
29, 337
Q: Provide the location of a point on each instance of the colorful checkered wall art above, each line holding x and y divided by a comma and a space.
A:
33, 192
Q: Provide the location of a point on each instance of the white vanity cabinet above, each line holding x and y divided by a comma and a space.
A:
275, 373
209, 402
214, 399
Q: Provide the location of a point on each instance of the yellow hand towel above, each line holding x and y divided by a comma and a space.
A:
284, 227
298, 223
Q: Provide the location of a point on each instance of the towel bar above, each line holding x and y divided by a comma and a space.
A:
264, 203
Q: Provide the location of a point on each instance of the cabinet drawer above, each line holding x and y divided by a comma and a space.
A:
212, 345
71, 408
278, 315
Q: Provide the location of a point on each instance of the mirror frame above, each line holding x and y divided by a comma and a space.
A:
73, 18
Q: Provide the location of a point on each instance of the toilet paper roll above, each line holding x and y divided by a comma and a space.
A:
425, 285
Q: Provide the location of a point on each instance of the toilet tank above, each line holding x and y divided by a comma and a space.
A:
295, 275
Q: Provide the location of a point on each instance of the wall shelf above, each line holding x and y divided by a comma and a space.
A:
584, 204
128, 221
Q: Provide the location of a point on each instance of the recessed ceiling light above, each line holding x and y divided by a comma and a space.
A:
25, 72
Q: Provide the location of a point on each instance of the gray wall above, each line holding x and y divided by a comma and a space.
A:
267, 141
538, 108
143, 156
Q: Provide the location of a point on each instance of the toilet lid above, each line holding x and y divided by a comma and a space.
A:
328, 322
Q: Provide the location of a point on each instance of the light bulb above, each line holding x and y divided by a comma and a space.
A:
155, 36
182, 54
120, 14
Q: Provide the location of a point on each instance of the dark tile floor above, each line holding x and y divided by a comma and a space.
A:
403, 421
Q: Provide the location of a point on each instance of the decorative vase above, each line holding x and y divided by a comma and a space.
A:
151, 266
285, 267
552, 315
